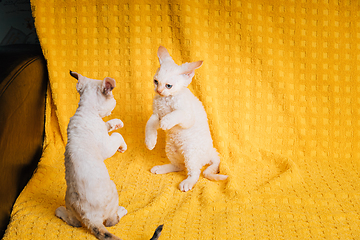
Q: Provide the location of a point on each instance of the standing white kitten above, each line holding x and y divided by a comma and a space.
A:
91, 197
177, 111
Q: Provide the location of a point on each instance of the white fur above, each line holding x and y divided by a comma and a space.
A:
177, 111
91, 196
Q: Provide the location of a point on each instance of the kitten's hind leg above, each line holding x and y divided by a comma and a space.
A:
176, 159
193, 163
67, 216
167, 168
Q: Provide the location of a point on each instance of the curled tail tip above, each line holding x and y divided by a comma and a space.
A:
157, 232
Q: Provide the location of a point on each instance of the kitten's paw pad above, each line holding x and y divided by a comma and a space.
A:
122, 149
114, 124
122, 211
150, 142
186, 185
166, 123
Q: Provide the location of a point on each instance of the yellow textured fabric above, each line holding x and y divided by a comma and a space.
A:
281, 86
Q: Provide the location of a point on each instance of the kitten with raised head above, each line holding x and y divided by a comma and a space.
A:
183, 118
91, 196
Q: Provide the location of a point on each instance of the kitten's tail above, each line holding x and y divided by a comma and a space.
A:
211, 172
102, 233
157, 233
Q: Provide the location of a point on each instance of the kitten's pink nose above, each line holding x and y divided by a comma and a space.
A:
159, 90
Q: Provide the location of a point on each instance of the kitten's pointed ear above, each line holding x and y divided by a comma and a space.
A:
74, 74
108, 85
163, 54
80, 82
188, 69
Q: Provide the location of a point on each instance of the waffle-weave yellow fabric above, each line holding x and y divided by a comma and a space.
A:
281, 86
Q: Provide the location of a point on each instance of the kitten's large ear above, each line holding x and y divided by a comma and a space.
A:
74, 74
163, 54
108, 85
188, 69
80, 78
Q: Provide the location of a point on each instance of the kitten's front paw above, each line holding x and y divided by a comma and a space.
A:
166, 123
114, 124
150, 142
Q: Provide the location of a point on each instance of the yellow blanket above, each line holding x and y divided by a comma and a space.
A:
281, 86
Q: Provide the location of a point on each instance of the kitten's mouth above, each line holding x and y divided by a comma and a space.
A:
161, 94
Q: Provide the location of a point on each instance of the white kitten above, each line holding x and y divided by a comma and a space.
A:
91, 197
177, 111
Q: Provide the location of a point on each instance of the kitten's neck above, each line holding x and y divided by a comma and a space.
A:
88, 110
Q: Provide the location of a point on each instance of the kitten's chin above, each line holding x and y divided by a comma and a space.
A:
162, 94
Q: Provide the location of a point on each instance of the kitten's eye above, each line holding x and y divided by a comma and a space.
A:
168, 86
156, 81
